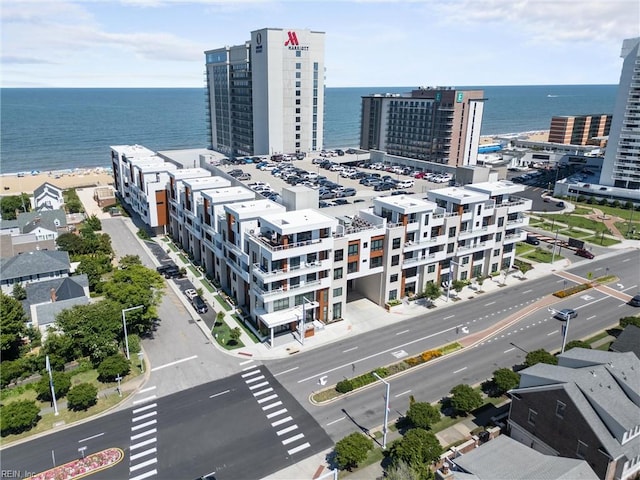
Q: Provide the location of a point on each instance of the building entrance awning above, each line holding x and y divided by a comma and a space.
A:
283, 317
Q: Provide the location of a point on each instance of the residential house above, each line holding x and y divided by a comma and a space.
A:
47, 197
30, 267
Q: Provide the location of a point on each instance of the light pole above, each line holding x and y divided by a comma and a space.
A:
450, 281
553, 254
124, 327
567, 318
141, 358
118, 378
53, 392
386, 410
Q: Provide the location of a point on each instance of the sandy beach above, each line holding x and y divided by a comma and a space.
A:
12, 184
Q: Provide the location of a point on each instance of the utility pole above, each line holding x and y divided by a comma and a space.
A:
53, 392
386, 410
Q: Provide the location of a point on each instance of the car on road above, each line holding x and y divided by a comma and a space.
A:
581, 252
341, 201
531, 240
635, 301
560, 204
199, 304
173, 272
566, 313
167, 266
190, 293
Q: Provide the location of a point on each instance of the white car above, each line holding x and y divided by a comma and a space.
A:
268, 166
190, 293
258, 185
336, 168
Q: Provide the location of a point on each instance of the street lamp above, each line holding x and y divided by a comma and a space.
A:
53, 392
386, 410
124, 326
567, 318
450, 281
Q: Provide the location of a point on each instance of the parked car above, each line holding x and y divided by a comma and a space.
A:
167, 266
383, 187
560, 204
581, 252
173, 272
236, 172
635, 301
244, 176
341, 201
531, 240
346, 192
190, 293
199, 304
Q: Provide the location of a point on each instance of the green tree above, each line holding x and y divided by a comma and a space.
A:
11, 370
505, 379
423, 415
128, 260
432, 291
61, 346
61, 386
19, 292
625, 321
11, 204
13, 327
458, 285
17, 417
94, 223
540, 356
577, 344
235, 335
112, 367
82, 396
401, 471
352, 450
418, 448
71, 243
465, 399
94, 267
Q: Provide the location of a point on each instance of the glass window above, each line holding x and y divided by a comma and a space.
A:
352, 267
431, 268
338, 255
560, 409
337, 273
337, 292
393, 294
375, 262
396, 243
532, 417
395, 260
354, 248
501, 221
377, 245
393, 278
280, 304
298, 66
298, 53
581, 451
337, 310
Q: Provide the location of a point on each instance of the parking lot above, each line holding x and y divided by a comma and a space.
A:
341, 180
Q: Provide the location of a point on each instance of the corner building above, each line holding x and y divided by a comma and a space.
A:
266, 97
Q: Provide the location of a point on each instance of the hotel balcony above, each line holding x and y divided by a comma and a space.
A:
281, 274
271, 295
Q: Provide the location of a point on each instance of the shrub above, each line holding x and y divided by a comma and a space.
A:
61, 385
429, 354
352, 450
134, 344
422, 415
82, 396
465, 399
577, 344
113, 366
344, 386
540, 356
504, 379
624, 321
143, 234
18, 417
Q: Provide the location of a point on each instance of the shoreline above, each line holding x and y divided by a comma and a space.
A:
23, 182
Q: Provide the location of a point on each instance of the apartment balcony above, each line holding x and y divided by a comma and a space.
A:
424, 259
280, 251
477, 247
267, 276
516, 204
473, 233
516, 221
518, 236
236, 250
425, 242
438, 219
271, 295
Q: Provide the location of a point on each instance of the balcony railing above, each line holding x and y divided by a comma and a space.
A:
267, 293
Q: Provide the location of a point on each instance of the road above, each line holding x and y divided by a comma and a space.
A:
244, 426
302, 374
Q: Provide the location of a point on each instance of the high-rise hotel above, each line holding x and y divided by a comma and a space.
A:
266, 96
621, 167
439, 125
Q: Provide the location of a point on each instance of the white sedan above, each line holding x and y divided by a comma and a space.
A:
190, 293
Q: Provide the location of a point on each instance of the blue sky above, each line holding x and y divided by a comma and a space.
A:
160, 43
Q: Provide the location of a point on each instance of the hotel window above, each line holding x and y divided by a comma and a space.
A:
297, 119
337, 292
338, 255
297, 101
337, 273
560, 409
298, 53
353, 249
297, 137
298, 66
297, 93
396, 243
298, 128
297, 110
298, 84
532, 417
298, 74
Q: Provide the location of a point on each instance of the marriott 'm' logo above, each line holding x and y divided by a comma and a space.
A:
293, 39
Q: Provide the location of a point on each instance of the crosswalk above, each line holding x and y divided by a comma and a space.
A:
276, 413
143, 450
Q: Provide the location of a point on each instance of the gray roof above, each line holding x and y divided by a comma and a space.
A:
49, 187
505, 458
605, 388
29, 221
65, 288
47, 312
628, 341
34, 263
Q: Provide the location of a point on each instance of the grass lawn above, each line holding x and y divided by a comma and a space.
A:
522, 248
195, 272
246, 329
615, 212
208, 286
172, 246
582, 211
222, 333
575, 233
596, 337
373, 456
182, 258
597, 240
542, 256
626, 231
223, 302
574, 221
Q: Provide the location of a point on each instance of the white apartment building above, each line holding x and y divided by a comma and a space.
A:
266, 96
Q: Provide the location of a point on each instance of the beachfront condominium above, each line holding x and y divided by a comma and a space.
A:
621, 167
579, 129
432, 124
266, 96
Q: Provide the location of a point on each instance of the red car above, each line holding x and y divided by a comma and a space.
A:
581, 252
419, 175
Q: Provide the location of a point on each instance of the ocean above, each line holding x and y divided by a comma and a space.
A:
57, 129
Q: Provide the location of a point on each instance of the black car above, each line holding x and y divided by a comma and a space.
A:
566, 313
236, 172
531, 240
383, 187
163, 268
341, 201
199, 304
172, 272
635, 301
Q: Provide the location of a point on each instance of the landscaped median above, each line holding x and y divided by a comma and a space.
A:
347, 385
83, 466
581, 287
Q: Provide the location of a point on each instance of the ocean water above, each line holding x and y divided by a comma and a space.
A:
55, 129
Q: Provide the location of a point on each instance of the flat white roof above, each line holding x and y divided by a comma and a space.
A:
203, 183
282, 317
405, 203
459, 194
228, 194
255, 208
151, 167
298, 220
133, 150
499, 187
189, 157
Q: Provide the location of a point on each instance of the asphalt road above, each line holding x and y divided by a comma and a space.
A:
302, 374
244, 426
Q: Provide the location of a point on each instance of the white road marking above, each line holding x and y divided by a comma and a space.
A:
133, 468
219, 393
251, 373
254, 379
404, 331
403, 393
271, 405
192, 357
349, 349
142, 454
262, 392
280, 422
266, 399
250, 367
148, 389
142, 425
625, 260
286, 371
336, 421
143, 400
144, 475
592, 316
275, 414
509, 350
146, 407
142, 417
91, 437
143, 444
552, 333
298, 448
447, 318
246, 362
460, 370
290, 428
490, 303
258, 385
144, 434
292, 439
